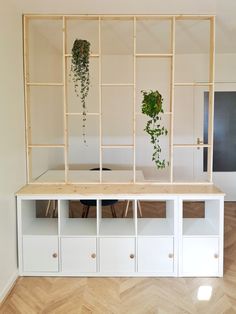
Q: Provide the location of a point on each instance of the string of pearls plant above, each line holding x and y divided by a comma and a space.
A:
80, 71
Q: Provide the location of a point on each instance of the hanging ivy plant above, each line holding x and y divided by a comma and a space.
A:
80, 70
152, 107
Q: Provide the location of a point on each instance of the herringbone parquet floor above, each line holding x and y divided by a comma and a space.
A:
131, 295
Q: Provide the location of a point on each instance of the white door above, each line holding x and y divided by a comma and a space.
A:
117, 255
40, 253
200, 256
156, 255
78, 255
189, 129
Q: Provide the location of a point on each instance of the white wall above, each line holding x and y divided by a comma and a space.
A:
12, 157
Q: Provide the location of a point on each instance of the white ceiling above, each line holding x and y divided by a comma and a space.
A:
225, 12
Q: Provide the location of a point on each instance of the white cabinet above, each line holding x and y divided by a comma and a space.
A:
117, 255
201, 247
172, 235
156, 255
200, 256
79, 255
40, 254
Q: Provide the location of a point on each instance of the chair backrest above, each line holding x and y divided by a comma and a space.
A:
103, 169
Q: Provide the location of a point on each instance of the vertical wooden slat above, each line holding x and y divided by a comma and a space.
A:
134, 100
64, 64
28, 136
211, 99
172, 84
100, 99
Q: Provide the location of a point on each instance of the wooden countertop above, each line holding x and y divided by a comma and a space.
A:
101, 190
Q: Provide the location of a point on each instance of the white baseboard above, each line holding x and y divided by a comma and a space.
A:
8, 286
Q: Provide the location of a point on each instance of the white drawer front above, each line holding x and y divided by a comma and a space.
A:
40, 253
117, 255
200, 256
156, 255
79, 255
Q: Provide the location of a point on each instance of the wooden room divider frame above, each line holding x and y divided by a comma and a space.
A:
171, 56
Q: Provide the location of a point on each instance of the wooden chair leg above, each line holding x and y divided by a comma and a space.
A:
54, 208
47, 208
140, 209
125, 212
87, 211
113, 211
84, 211
51, 212
71, 213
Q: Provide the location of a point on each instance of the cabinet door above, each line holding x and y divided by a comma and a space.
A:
155, 255
117, 255
200, 256
78, 254
40, 253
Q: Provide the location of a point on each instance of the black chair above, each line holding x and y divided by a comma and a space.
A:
89, 203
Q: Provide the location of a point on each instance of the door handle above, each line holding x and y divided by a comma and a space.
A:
199, 142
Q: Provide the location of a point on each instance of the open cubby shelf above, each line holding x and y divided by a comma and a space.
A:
155, 227
40, 226
79, 227
147, 225
199, 226
117, 227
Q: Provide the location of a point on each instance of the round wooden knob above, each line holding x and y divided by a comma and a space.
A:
93, 255
170, 255
54, 255
216, 255
131, 256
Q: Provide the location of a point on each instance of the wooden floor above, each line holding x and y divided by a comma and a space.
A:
131, 295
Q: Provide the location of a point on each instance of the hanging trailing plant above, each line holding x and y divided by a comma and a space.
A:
152, 107
80, 70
